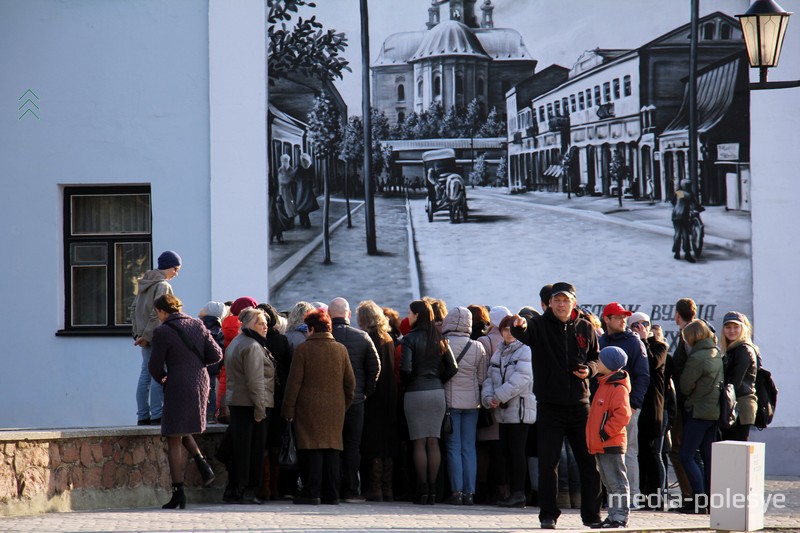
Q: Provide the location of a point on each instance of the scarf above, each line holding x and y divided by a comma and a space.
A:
255, 336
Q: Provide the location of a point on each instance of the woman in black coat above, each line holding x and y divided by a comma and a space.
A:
379, 438
182, 348
740, 364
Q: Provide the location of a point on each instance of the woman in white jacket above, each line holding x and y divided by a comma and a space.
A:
463, 395
509, 389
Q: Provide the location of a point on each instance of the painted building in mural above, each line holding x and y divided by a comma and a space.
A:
631, 105
460, 57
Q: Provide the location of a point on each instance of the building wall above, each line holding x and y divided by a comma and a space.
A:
123, 93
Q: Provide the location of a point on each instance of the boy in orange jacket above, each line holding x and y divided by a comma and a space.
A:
606, 437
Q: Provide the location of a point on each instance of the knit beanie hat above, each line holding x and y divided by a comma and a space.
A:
242, 303
216, 309
168, 259
613, 357
498, 313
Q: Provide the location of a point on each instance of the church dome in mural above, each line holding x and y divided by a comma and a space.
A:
449, 38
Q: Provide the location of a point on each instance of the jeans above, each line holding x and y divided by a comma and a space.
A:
554, 422
697, 435
351, 455
149, 393
568, 475
462, 459
615, 480
632, 453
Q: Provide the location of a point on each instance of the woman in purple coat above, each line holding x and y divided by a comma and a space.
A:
182, 348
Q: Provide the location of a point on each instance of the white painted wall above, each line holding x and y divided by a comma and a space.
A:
124, 99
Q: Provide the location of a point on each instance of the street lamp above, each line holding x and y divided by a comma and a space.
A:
764, 27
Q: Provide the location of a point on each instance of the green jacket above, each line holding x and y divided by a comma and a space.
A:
700, 380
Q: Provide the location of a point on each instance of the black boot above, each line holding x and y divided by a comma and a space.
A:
422, 494
178, 498
205, 470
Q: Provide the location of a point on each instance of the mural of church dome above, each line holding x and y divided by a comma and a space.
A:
449, 38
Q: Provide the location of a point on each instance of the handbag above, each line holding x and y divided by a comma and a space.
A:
287, 457
447, 423
485, 417
728, 406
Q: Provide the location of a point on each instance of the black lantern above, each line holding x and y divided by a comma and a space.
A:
764, 26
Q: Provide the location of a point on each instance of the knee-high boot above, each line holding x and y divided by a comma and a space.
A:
374, 493
387, 480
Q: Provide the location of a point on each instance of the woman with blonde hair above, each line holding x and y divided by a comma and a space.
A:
699, 383
740, 363
296, 329
379, 438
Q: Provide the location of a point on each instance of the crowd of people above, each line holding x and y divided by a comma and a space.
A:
474, 404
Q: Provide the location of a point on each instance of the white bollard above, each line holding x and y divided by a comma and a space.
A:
737, 486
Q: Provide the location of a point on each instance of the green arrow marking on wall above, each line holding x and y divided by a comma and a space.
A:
25, 104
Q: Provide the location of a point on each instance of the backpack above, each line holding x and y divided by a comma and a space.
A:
767, 393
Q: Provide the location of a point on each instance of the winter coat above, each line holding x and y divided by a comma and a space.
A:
637, 366
510, 380
421, 369
320, 389
363, 357
463, 391
490, 342
559, 348
250, 370
609, 415
278, 346
701, 379
740, 363
295, 338
187, 385
230, 329
214, 326
651, 417
379, 438
143, 317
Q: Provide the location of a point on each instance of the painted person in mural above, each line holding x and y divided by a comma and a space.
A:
305, 200
559, 414
286, 186
683, 203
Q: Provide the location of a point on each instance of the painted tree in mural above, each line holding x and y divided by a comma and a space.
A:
306, 48
351, 149
493, 127
502, 169
480, 172
324, 132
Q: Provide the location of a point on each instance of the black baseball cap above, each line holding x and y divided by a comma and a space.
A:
562, 287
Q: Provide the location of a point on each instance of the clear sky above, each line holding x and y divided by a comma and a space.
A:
554, 31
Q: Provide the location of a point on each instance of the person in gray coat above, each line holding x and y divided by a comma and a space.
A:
152, 285
463, 396
366, 368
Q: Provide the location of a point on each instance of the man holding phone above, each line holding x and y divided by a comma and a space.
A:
565, 349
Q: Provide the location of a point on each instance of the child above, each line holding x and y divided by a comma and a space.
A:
606, 437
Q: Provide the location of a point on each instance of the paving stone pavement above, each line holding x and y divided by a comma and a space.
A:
399, 517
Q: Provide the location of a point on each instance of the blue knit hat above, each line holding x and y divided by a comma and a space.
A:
169, 259
613, 357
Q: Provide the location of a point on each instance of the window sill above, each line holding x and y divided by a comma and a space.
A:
95, 332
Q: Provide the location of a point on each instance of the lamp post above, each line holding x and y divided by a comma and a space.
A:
764, 27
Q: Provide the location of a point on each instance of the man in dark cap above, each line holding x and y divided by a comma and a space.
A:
565, 354
154, 283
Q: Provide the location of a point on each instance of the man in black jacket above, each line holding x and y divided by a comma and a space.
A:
366, 367
565, 352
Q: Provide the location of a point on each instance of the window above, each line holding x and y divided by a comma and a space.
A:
626, 86
541, 113
549, 110
401, 93
572, 104
401, 117
581, 101
616, 89
480, 87
725, 32
606, 92
459, 84
597, 95
437, 86
708, 31
588, 98
107, 246
419, 89
557, 107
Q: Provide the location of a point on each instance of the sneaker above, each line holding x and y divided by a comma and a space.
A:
455, 499
468, 498
613, 524
547, 523
143, 422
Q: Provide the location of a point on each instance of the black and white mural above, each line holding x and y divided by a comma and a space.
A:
558, 135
